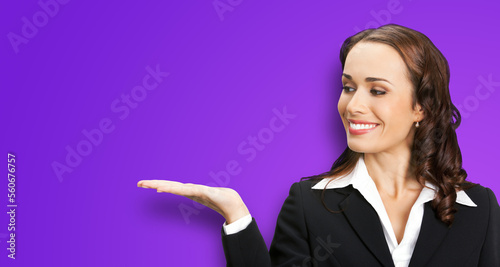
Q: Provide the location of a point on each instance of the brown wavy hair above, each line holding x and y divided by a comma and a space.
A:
436, 156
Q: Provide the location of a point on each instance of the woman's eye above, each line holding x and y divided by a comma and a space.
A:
346, 88
377, 92
373, 91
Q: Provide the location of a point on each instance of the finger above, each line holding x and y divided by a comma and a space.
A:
143, 183
187, 190
173, 187
154, 183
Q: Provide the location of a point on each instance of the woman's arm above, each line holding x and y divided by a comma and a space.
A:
247, 247
290, 246
490, 253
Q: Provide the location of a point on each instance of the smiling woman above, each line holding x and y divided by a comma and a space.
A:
396, 196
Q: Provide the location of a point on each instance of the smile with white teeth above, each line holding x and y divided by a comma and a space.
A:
361, 126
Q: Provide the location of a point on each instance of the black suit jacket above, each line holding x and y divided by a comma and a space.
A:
308, 235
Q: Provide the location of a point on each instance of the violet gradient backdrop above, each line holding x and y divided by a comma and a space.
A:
226, 75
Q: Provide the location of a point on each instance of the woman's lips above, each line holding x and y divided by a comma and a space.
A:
361, 128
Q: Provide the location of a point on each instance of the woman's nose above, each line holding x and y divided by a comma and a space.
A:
357, 103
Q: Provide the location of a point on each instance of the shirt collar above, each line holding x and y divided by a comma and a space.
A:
361, 180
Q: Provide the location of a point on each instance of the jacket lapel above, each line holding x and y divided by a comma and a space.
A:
365, 221
432, 234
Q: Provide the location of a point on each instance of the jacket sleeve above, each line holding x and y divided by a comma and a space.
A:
490, 253
246, 248
288, 248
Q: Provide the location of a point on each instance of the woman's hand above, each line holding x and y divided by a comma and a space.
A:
225, 201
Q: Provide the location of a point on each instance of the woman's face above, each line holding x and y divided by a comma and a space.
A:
377, 93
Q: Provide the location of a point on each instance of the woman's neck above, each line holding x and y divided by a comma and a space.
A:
392, 173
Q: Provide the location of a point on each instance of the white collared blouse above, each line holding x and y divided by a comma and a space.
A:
361, 180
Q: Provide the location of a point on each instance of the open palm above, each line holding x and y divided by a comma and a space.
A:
225, 201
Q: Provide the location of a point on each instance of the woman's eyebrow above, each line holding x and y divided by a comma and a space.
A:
367, 79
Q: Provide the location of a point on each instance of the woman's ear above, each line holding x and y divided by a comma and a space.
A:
419, 113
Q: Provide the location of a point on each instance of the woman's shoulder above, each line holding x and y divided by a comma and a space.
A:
482, 196
305, 184
302, 187
307, 187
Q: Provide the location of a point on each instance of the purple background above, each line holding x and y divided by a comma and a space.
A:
226, 75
